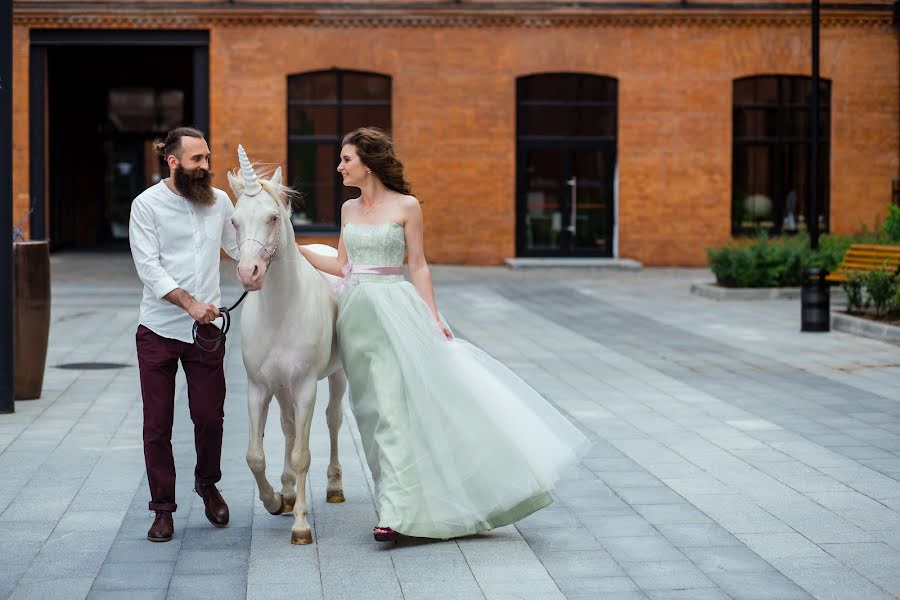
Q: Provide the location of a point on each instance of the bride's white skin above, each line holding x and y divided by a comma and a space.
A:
378, 204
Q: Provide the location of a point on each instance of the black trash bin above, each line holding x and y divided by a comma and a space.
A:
815, 301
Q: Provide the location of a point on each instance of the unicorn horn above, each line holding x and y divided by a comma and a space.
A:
251, 182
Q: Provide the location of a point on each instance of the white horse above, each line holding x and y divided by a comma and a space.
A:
287, 342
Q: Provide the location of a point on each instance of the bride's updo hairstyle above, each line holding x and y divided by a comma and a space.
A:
376, 150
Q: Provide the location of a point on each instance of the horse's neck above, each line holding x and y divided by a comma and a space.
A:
289, 276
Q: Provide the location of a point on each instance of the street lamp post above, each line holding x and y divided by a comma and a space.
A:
813, 221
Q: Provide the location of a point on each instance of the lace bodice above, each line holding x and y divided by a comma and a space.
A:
379, 245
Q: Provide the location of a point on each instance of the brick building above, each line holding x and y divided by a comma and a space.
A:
647, 130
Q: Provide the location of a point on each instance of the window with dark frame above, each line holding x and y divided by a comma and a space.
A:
770, 160
324, 106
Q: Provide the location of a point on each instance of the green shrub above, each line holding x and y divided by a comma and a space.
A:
853, 286
891, 225
881, 286
761, 262
776, 262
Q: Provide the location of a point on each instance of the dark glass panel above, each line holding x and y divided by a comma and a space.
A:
312, 173
359, 86
543, 202
366, 116
752, 203
561, 87
312, 120
598, 89
313, 86
755, 123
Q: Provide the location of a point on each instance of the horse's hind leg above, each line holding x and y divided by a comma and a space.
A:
337, 385
258, 399
288, 476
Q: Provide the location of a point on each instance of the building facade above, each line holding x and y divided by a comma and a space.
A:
649, 132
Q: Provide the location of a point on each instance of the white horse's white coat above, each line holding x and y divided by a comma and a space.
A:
287, 342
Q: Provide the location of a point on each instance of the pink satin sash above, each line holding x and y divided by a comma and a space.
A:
350, 272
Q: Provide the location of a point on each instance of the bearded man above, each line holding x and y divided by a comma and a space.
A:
176, 230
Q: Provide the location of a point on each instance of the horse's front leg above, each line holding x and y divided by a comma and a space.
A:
305, 400
288, 476
337, 385
258, 399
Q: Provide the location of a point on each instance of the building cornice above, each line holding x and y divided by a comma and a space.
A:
166, 15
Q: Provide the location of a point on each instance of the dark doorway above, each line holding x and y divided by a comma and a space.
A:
566, 165
106, 97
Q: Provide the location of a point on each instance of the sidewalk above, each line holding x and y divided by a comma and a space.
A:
733, 457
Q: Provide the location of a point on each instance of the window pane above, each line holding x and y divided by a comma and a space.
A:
756, 90
752, 203
598, 89
315, 86
596, 121
796, 90
543, 202
367, 116
755, 123
359, 86
771, 181
312, 121
540, 120
549, 87
311, 168
797, 123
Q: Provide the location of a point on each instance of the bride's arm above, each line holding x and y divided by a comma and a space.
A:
419, 274
328, 264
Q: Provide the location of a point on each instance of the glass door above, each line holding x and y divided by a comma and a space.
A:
566, 201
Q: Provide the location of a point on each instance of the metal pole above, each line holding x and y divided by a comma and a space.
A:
7, 379
813, 222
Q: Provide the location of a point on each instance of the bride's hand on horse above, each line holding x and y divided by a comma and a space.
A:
203, 313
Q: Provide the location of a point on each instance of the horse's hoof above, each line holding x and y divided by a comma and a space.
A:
287, 506
278, 510
301, 538
335, 496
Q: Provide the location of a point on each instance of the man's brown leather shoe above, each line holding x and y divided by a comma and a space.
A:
216, 509
163, 528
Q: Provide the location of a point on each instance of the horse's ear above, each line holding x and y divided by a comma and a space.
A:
276, 176
237, 185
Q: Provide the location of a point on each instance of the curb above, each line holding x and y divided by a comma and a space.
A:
712, 291
865, 328
623, 264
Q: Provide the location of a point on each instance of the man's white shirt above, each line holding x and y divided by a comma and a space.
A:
175, 244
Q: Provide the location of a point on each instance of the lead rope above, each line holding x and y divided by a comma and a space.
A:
226, 325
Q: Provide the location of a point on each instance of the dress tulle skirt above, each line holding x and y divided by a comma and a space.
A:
456, 442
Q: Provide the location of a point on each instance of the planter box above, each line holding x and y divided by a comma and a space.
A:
31, 320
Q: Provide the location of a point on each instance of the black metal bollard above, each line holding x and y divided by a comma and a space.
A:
815, 301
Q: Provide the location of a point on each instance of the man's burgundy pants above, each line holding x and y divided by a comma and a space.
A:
158, 362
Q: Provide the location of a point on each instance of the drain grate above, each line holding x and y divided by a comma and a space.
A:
92, 366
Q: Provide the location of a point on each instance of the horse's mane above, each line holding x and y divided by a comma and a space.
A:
285, 193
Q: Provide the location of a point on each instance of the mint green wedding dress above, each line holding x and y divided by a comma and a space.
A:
456, 442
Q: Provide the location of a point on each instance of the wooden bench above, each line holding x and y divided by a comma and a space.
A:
867, 257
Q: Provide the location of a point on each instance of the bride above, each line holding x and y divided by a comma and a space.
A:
456, 442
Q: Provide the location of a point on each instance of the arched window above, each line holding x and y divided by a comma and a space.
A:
322, 107
566, 125
770, 160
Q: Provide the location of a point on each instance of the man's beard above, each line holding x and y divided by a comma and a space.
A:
195, 185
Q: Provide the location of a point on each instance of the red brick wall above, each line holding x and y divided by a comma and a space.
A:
454, 118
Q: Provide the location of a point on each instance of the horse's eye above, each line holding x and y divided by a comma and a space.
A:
273, 218
234, 223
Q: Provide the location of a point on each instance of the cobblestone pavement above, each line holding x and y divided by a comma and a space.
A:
733, 457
